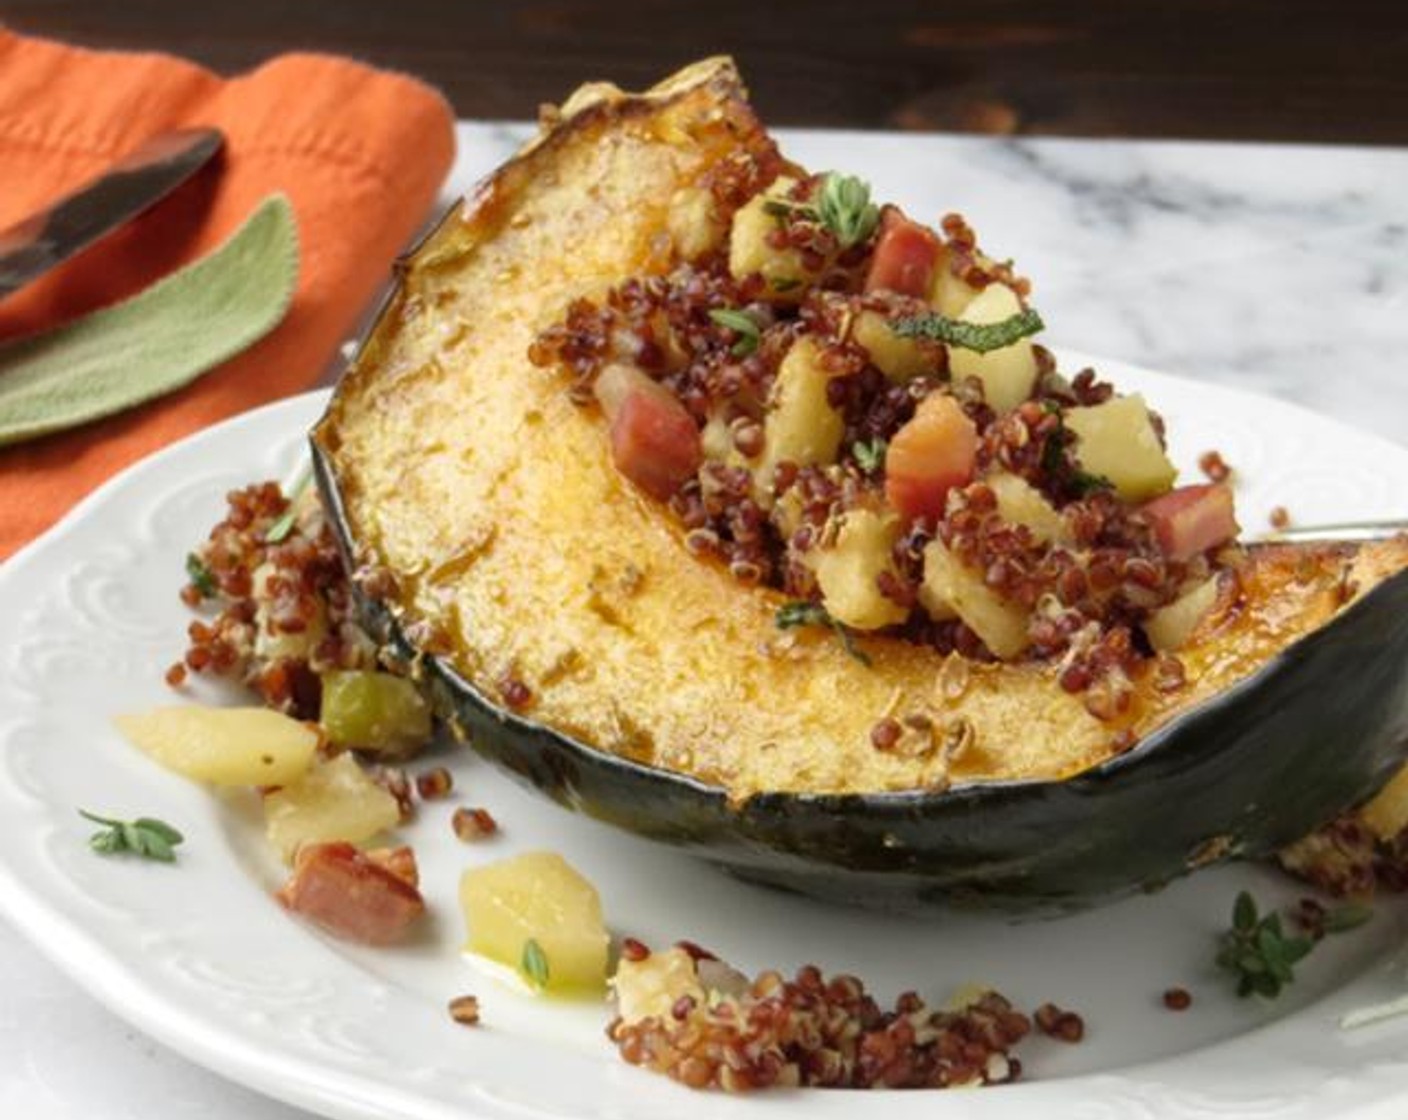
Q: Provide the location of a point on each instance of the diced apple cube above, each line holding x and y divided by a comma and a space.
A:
336, 800
1117, 441
749, 251
1169, 627
1007, 375
538, 897
801, 426
1001, 624
898, 358
224, 746
846, 572
950, 294
1021, 503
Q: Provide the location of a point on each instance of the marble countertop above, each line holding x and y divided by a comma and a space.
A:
1278, 269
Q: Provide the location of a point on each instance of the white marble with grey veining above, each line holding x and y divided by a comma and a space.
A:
1279, 269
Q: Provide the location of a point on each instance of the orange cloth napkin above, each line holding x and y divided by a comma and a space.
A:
361, 154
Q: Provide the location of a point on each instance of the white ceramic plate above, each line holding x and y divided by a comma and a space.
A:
201, 958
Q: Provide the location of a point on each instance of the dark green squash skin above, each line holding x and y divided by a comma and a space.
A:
1317, 729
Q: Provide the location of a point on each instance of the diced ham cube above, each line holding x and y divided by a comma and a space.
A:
934, 452
1192, 519
654, 440
366, 897
906, 256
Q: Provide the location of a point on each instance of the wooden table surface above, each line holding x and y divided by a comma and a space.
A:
1223, 69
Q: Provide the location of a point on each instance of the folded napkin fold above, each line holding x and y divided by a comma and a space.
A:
360, 153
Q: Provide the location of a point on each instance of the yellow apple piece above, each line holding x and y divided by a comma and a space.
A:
224, 746
336, 800
537, 907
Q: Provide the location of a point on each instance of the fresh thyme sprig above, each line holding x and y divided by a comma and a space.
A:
146, 837
534, 964
978, 337
1259, 953
800, 612
846, 210
743, 325
842, 205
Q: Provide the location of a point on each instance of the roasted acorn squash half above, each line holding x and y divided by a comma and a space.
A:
565, 630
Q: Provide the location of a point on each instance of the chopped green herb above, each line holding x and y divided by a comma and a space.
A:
1257, 951
846, 210
534, 964
870, 457
784, 283
800, 612
1083, 482
782, 208
978, 337
202, 578
146, 837
743, 325
284, 525
842, 204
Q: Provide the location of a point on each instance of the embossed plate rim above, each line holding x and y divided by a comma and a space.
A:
310, 1044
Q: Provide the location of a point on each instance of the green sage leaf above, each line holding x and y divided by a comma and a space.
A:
157, 341
978, 337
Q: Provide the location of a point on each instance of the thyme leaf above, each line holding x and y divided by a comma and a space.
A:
846, 210
1258, 952
201, 577
782, 208
870, 457
978, 337
146, 837
743, 325
801, 612
534, 964
284, 525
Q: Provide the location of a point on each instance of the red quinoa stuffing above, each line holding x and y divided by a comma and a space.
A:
473, 824
284, 613
434, 784
758, 390
465, 1010
1056, 1023
707, 1026
1214, 466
